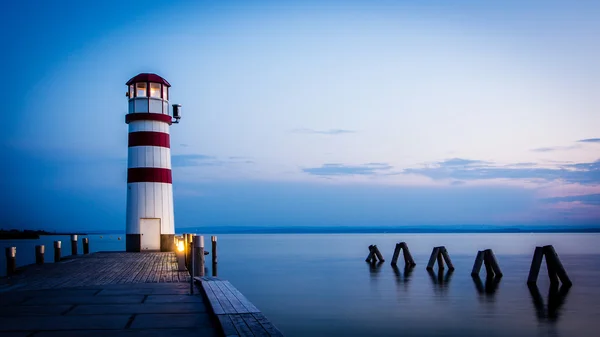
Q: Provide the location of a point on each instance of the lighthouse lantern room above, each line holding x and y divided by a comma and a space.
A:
150, 218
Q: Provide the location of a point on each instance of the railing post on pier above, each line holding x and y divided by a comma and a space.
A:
39, 254
86, 246
73, 244
213, 239
198, 255
11, 260
57, 245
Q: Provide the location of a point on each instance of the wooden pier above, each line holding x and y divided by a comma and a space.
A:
113, 294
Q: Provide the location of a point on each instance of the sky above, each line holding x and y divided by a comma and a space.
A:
316, 113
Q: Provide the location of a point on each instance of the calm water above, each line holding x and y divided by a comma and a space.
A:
319, 285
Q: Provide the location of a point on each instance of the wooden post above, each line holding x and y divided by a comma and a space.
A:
434, 255
371, 257
378, 253
491, 259
73, 244
198, 255
478, 263
11, 260
86, 246
559, 270
57, 245
396, 254
213, 240
39, 254
408, 259
440, 259
536, 263
447, 258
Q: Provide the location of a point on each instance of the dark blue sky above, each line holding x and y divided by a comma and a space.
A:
308, 112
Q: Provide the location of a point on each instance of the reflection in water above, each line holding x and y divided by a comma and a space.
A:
403, 277
489, 289
556, 297
374, 268
440, 281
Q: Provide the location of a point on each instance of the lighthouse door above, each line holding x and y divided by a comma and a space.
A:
150, 232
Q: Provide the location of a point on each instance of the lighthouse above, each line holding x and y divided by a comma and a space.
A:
150, 218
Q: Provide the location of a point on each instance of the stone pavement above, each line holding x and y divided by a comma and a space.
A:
143, 309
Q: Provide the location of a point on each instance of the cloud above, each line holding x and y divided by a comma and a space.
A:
457, 183
582, 173
191, 160
589, 140
346, 170
323, 132
187, 160
587, 199
556, 148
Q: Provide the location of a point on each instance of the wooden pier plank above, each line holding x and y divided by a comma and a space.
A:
255, 326
225, 304
250, 308
240, 325
267, 325
235, 302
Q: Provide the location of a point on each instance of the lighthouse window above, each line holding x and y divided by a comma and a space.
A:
165, 92
155, 90
140, 89
131, 91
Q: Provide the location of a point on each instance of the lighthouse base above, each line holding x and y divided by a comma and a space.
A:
133, 242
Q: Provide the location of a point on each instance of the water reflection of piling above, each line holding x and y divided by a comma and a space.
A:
490, 287
556, 298
404, 276
439, 279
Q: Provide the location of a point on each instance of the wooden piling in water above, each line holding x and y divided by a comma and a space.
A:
378, 253
371, 257
536, 263
73, 244
556, 271
39, 254
434, 255
86, 246
57, 248
396, 254
11, 260
478, 263
559, 270
408, 260
490, 259
446, 257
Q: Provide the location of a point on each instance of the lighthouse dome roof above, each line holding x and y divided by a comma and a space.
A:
148, 77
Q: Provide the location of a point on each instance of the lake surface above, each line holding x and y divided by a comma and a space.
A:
320, 285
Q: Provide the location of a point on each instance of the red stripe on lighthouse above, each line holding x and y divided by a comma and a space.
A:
149, 175
149, 138
143, 116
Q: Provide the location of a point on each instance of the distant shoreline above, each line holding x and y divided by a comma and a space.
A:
26, 234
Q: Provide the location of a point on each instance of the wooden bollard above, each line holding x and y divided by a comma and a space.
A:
73, 244
198, 255
374, 254
57, 245
11, 260
213, 239
440, 254
39, 254
86, 246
